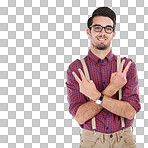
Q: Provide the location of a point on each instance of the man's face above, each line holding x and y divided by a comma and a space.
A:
101, 40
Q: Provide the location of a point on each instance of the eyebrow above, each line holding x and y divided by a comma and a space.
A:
101, 25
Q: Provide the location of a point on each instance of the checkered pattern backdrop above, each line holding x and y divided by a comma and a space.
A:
38, 40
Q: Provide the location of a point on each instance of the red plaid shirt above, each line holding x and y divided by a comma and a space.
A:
100, 72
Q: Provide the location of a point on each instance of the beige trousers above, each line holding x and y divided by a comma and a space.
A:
120, 139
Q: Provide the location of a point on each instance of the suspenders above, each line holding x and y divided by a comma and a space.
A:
88, 78
119, 92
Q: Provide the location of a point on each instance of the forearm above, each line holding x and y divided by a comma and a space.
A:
90, 109
120, 108
86, 111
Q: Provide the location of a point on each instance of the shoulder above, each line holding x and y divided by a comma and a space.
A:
126, 60
133, 64
132, 70
74, 65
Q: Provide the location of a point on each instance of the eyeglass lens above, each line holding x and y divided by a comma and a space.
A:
98, 28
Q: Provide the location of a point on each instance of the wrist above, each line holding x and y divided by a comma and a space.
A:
99, 101
110, 90
113, 88
96, 95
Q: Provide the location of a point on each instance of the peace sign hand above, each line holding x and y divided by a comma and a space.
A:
87, 88
118, 79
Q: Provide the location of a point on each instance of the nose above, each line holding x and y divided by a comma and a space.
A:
103, 30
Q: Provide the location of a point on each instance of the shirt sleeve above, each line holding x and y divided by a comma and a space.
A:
74, 97
130, 91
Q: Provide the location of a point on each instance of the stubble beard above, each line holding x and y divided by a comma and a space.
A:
101, 46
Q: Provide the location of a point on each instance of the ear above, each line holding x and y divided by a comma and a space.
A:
88, 31
114, 34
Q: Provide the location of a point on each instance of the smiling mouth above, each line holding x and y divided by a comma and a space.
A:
101, 39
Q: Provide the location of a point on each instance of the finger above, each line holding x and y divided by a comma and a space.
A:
82, 74
76, 77
121, 66
126, 68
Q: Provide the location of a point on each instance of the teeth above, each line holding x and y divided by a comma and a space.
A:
101, 39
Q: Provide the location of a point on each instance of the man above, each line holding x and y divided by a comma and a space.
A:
103, 86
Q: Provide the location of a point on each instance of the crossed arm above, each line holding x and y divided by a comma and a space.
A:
89, 109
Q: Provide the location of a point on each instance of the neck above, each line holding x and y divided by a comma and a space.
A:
100, 53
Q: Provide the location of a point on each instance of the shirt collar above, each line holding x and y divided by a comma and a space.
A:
96, 59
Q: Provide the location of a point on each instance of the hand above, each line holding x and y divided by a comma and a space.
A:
118, 79
87, 88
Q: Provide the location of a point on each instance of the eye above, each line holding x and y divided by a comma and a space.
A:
108, 28
98, 28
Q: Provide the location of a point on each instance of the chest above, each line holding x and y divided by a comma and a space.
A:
100, 73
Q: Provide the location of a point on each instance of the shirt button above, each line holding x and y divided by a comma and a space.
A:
103, 82
107, 128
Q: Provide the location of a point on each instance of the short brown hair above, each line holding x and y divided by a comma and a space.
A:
102, 11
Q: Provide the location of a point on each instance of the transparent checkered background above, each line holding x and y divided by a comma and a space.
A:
38, 40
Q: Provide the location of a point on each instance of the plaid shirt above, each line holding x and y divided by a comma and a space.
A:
100, 72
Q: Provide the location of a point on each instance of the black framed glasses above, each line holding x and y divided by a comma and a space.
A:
98, 28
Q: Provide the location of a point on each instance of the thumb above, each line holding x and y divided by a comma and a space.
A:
91, 81
113, 74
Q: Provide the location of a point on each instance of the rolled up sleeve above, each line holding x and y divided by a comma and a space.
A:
130, 91
74, 97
